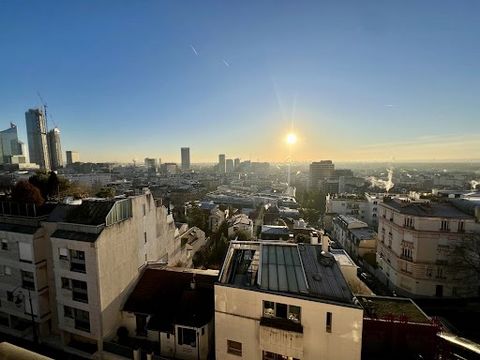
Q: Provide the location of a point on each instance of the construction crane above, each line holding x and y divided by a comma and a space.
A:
44, 105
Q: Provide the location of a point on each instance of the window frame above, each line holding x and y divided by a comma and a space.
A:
233, 348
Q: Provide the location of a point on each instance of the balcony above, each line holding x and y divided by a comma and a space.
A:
282, 324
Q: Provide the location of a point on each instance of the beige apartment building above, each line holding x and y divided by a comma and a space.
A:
277, 300
421, 245
355, 236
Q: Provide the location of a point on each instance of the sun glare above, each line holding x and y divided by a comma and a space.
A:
291, 138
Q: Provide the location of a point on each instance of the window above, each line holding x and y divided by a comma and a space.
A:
445, 226
79, 291
234, 347
28, 281
4, 244
203, 331
9, 296
63, 253
68, 312
144, 209
328, 324
409, 222
25, 252
145, 237
7, 270
282, 311
187, 336
461, 226
141, 324
77, 261
82, 320
65, 283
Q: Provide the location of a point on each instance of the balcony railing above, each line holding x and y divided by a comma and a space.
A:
282, 324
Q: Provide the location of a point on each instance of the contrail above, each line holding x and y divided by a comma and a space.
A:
226, 63
194, 50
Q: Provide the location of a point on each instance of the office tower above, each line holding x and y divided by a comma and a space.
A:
185, 158
151, 165
236, 164
9, 144
319, 171
221, 164
72, 157
229, 166
37, 138
55, 149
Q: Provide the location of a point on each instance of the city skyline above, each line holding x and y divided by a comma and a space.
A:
391, 81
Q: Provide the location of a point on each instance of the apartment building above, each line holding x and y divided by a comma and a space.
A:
277, 300
354, 235
419, 243
24, 296
99, 249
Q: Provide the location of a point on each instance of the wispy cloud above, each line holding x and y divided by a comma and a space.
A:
194, 50
227, 64
389, 105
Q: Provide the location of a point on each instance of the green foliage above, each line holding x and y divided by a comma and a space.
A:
24, 192
106, 192
311, 216
196, 217
302, 238
211, 255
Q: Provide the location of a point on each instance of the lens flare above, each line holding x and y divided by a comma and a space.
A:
291, 138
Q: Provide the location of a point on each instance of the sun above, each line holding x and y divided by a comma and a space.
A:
291, 138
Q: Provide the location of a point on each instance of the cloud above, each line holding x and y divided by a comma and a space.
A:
226, 63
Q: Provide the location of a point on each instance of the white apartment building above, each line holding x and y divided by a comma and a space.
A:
24, 296
99, 249
354, 235
278, 300
418, 243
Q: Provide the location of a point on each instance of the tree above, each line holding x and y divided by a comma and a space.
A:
196, 217
106, 192
40, 181
303, 238
24, 192
53, 184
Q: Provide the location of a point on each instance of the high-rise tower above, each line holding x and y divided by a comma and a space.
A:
37, 138
185, 158
55, 149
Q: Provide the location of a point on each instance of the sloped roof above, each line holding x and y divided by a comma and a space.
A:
89, 212
167, 296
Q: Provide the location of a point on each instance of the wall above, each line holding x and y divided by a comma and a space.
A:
237, 315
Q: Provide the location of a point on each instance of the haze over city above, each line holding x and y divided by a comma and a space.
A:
369, 81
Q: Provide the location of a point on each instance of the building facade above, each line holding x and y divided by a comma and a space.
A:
55, 149
9, 144
72, 157
37, 138
270, 303
355, 236
185, 152
319, 171
221, 164
418, 247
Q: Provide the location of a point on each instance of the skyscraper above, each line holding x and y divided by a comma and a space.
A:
221, 164
72, 157
37, 138
185, 158
55, 149
236, 164
9, 144
229, 166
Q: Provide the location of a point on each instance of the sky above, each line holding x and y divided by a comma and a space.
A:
355, 80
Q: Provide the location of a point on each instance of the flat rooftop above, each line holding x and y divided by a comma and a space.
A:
431, 209
383, 308
296, 270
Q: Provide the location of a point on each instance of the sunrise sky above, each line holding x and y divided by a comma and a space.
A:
356, 80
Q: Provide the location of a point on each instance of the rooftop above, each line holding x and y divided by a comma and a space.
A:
167, 294
364, 233
379, 307
296, 270
430, 209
